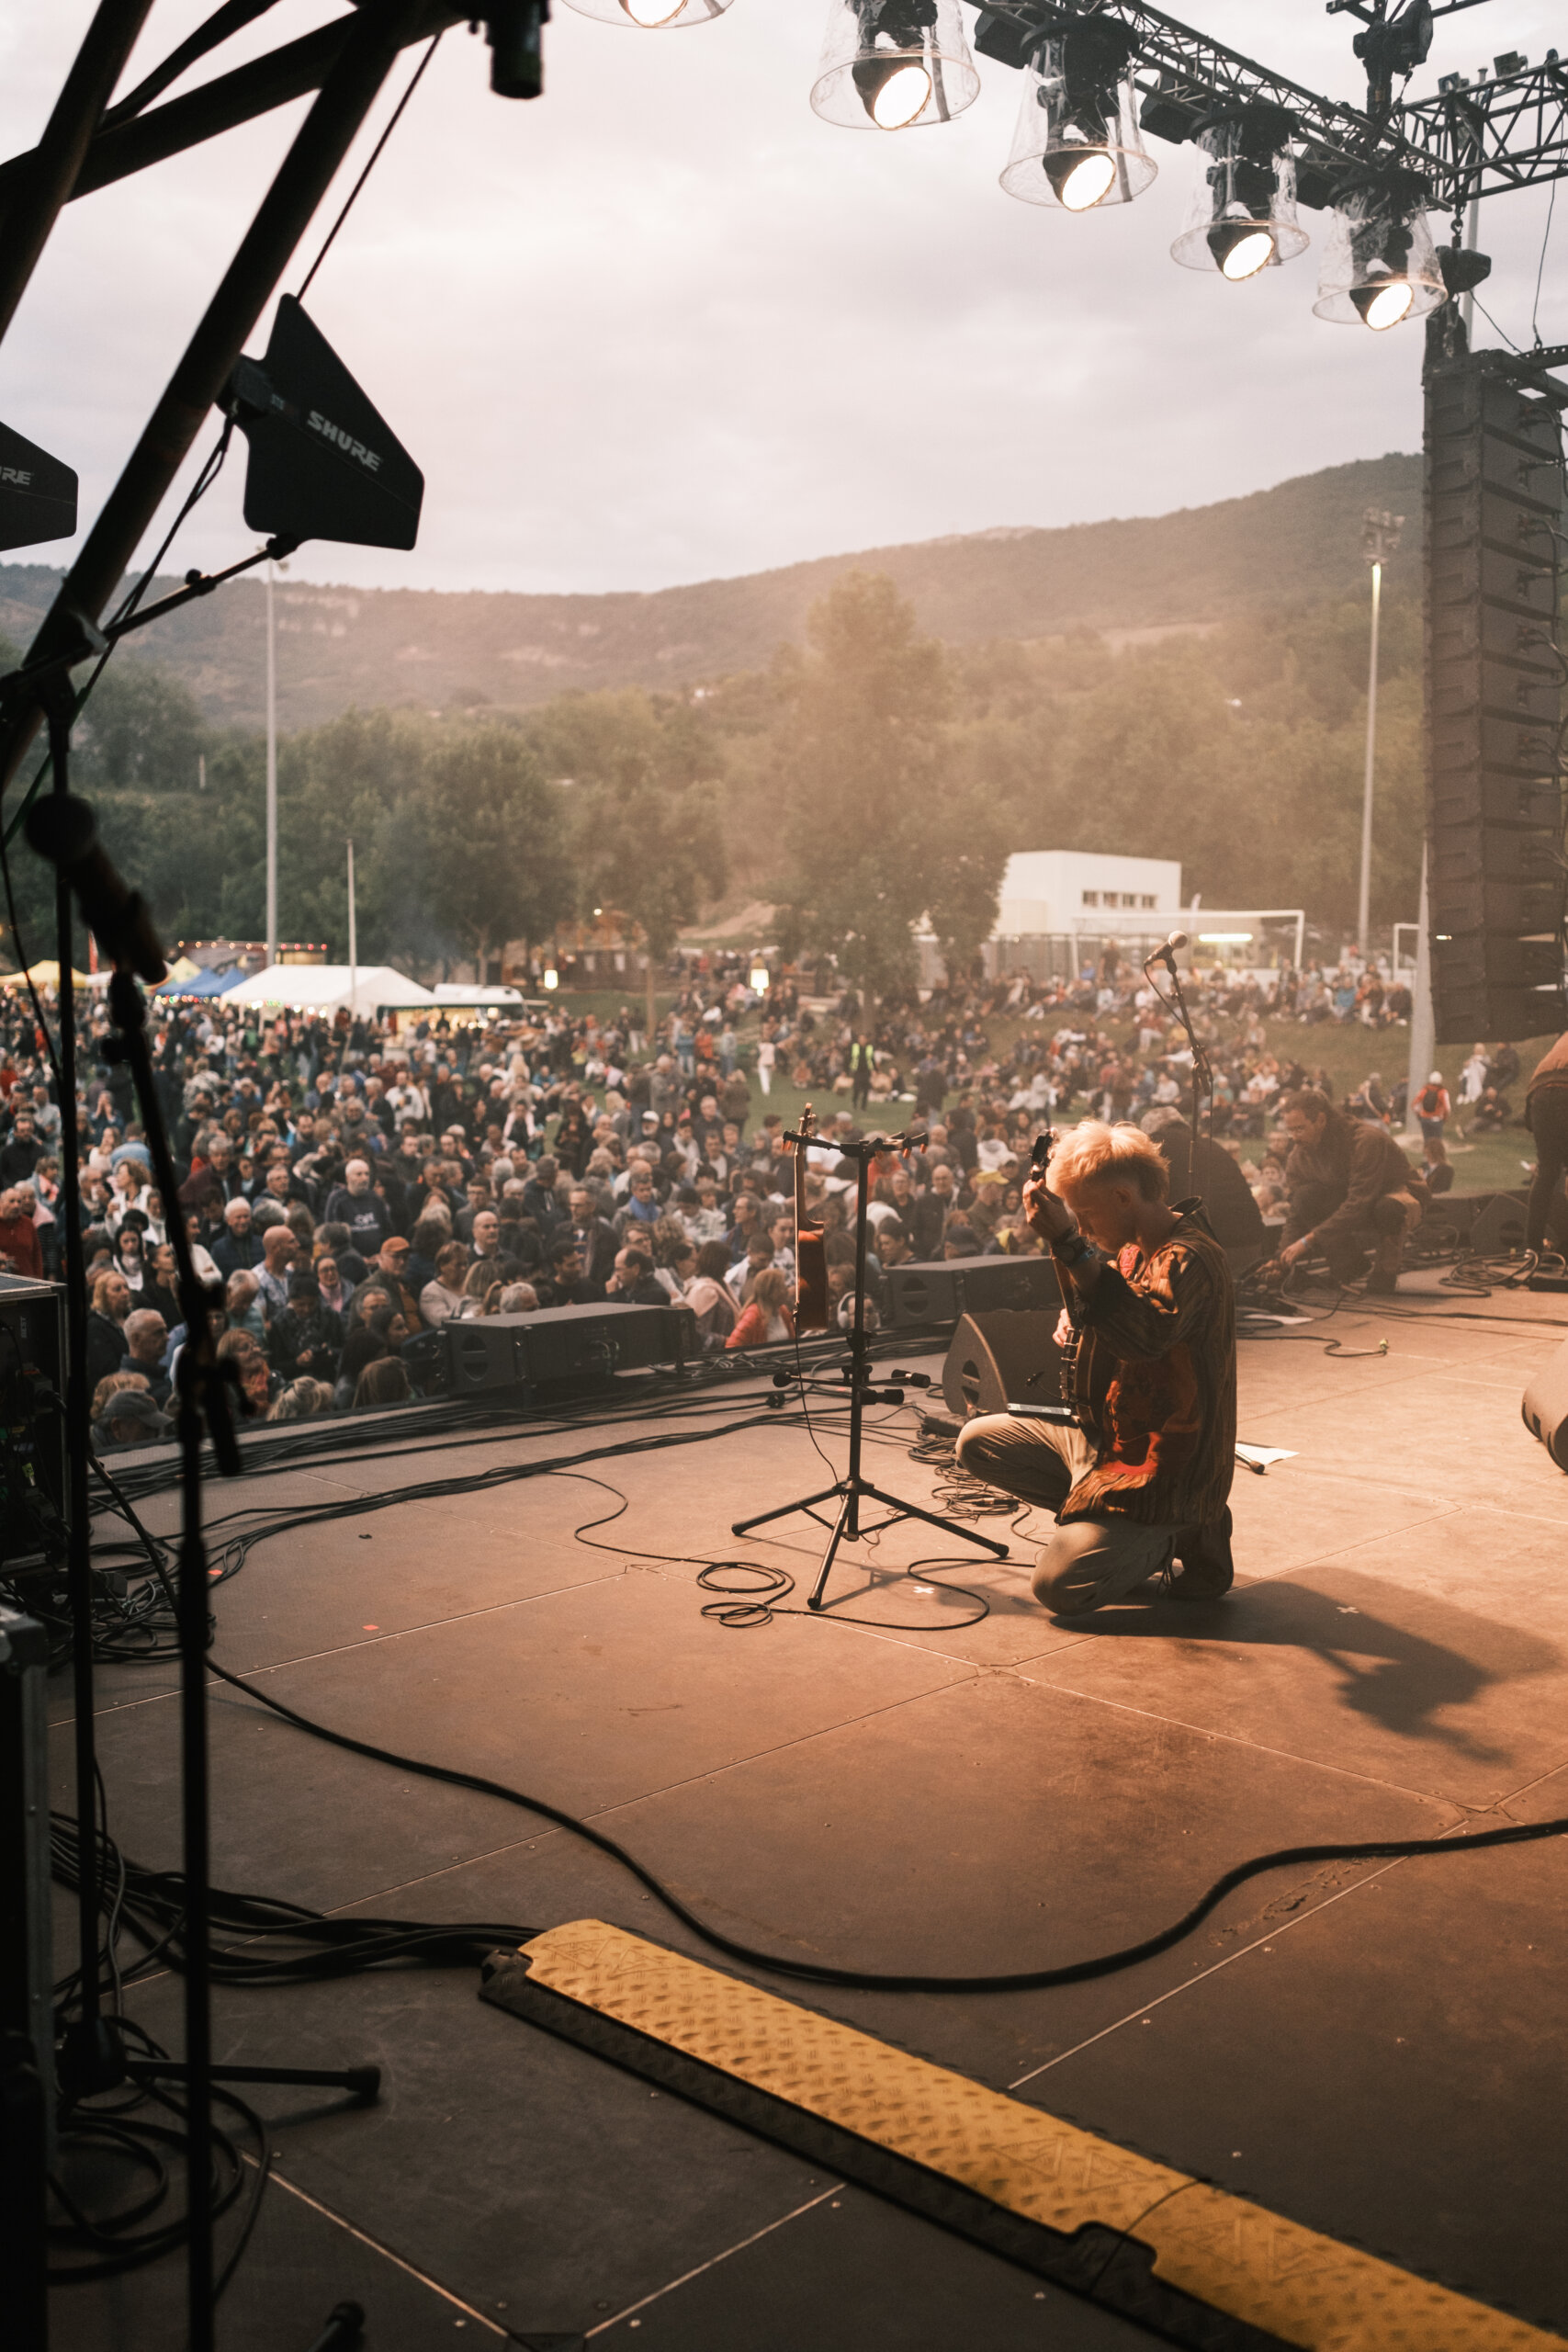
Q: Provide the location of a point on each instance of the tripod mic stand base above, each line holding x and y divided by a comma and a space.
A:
849, 1493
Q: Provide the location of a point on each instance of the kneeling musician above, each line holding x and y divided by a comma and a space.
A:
1139, 1476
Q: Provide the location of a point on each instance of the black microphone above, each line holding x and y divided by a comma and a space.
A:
1165, 955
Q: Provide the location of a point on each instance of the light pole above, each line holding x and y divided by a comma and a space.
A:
1379, 540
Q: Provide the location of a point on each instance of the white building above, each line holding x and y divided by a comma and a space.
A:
1061, 909
1053, 893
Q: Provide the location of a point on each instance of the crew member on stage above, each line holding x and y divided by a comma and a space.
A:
1546, 1115
1350, 1190
1141, 1481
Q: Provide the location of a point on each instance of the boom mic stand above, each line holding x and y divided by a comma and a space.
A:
62, 829
850, 1491
1203, 1070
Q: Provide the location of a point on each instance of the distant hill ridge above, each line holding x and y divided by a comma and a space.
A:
1295, 544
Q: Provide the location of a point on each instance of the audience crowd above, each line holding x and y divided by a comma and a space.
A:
353, 1190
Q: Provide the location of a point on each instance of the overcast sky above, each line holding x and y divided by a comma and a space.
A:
663, 324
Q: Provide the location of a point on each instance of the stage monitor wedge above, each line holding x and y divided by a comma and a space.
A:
325, 464
38, 493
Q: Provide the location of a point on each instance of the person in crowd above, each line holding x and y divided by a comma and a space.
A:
566, 1284
106, 1345
594, 1235
633, 1281
709, 1296
384, 1381
238, 1247
131, 1417
352, 1203
19, 1232
1432, 1107
241, 1299
257, 1383
444, 1296
1546, 1116
767, 1317
146, 1344
279, 1251
161, 1287
1351, 1190
307, 1338
335, 1293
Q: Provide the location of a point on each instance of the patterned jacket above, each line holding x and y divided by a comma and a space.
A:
1156, 1383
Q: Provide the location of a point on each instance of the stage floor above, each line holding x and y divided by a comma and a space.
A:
1376, 2051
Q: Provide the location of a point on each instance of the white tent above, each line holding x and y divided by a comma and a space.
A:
324, 988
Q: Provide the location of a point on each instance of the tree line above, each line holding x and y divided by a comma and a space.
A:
860, 782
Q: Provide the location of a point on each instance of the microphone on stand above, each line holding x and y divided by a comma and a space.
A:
1166, 953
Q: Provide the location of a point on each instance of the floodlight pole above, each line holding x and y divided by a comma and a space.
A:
353, 941
271, 778
1364, 910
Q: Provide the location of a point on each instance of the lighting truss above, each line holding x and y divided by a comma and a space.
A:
1467, 141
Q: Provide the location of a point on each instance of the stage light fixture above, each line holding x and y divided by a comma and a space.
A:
324, 463
894, 64
1076, 145
37, 494
1242, 218
1379, 263
652, 16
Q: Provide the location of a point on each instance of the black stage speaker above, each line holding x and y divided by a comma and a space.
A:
1008, 1358
1545, 1408
26, 2034
940, 1290
1497, 1228
1494, 500
560, 1347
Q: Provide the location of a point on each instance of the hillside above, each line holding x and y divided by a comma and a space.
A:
1296, 544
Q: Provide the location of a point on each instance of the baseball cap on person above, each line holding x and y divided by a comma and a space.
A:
394, 1245
136, 1405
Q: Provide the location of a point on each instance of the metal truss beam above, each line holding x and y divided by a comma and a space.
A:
1472, 141
290, 71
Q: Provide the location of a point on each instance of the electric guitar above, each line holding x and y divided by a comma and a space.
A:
811, 1246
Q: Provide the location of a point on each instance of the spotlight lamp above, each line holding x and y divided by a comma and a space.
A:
894, 64
652, 16
1379, 263
1077, 146
1242, 218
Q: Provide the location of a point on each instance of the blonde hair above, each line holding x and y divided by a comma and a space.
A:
1122, 1154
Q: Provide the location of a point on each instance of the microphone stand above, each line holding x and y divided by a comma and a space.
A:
1202, 1071
850, 1491
60, 827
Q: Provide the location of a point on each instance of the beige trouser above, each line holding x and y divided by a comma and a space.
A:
1089, 1561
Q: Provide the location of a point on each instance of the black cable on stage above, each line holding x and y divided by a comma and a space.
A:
412, 1940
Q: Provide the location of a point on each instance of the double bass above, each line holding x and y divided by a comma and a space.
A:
811, 1246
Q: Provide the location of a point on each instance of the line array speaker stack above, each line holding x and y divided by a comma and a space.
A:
1495, 507
563, 1349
